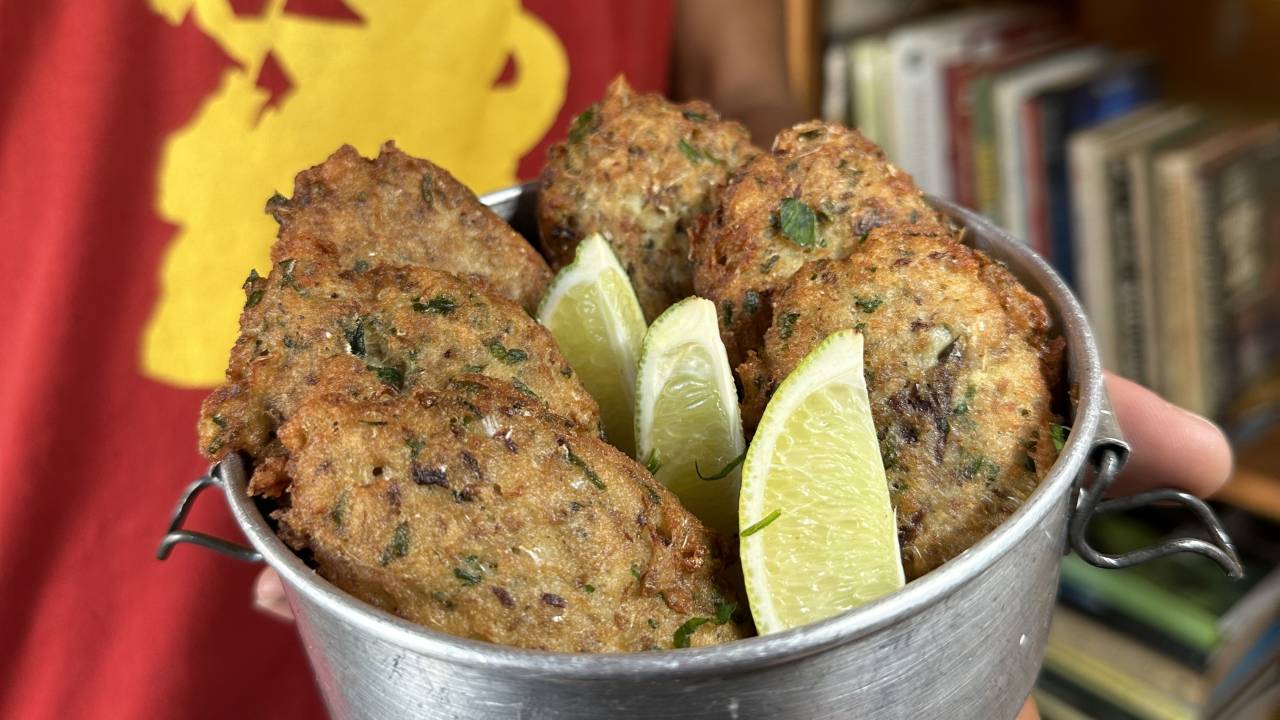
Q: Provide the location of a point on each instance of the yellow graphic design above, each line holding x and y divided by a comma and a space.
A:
421, 73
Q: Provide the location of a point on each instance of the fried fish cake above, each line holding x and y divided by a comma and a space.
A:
405, 328
475, 512
960, 369
639, 169
817, 195
399, 210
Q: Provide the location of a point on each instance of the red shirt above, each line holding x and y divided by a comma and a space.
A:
126, 132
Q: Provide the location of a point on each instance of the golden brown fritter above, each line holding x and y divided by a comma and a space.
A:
475, 512
399, 210
638, 168
960, 369
819, 193
406, 327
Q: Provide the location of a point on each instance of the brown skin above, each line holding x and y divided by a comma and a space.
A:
400, 328
732, 52
639, 169
475, 512
741, 254
400, 210
960, 387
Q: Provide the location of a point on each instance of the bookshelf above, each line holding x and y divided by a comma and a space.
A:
1141, 140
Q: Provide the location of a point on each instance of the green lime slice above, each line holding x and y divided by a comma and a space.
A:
818, 530
592, 312
688, 429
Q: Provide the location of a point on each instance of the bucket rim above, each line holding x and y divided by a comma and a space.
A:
1084, 375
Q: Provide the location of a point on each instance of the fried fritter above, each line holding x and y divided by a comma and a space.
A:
406, 327
819, 193
960, 369
639, 169
399, 210
475, 512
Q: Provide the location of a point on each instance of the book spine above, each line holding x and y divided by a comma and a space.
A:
986, 163
1126, 272
960, 137
1174, 226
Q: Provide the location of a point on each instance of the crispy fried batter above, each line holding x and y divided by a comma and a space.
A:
638, 168
743, 251
404, 327
399, 210
960, 370
475, 512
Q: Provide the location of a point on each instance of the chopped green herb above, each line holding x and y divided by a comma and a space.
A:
1028, 462
868, 305
812, 134
286, 274
827, 210
689, 151
473, 368
766, 522
694, 116
586, 469
428, 190
373, 422
388, 375
355, 339
471, 573
637, 573
524, 389
751, 303
652, 463
787, 324
214, 446
466, 385
683, 632
726, 309
277, 199
860, 327
252, 289
769, 262
339, 512
589, 588
798, 223
438, 305
653, 623
508, 356
582, 125
1059, 435
415, 447
724, 471
219, 420
443, 599
399, 545
724, 611
361, 265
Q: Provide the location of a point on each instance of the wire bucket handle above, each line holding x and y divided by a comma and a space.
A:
177, 534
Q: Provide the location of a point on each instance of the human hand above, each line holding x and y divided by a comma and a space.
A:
1170, 448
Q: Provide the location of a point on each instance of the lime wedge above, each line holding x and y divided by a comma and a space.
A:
818, 530
592, 312
688, 430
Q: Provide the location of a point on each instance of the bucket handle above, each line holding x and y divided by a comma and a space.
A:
177, 534
1108, 456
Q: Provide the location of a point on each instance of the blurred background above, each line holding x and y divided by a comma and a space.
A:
1135, 146
1132, 143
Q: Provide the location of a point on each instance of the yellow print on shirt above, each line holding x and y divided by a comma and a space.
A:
421, 73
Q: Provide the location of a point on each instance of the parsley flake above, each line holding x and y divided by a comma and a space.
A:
766, 522
798, 222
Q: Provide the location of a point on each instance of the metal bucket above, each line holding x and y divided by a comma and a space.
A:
965, 641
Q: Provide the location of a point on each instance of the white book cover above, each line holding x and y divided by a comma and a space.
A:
869, 78
919, 54
1010, 92
835, 83
1088, 154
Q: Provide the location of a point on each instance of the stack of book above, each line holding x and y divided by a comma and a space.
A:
1165, 218
1173, 638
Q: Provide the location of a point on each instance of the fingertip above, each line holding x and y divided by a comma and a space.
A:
1171, 447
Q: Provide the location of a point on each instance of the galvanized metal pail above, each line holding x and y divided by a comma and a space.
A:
965, 641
